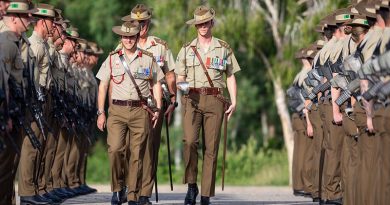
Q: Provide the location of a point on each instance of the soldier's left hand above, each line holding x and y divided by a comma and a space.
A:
155, 119
370, 125
168, 112
231, 110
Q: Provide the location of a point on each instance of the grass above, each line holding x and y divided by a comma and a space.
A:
247, 166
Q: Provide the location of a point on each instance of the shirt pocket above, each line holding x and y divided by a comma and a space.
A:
193, 68
117, 74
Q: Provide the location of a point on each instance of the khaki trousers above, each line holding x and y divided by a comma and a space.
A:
315, 119
368, 146
385, 151
150, 161
8, 167
45, 180
349, 162
72, 160
207, 111
135, 120
383, 165
59, 160
333, 143
299, 128
28, 165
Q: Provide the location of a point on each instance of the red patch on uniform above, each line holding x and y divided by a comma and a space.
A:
140, 54
153, 43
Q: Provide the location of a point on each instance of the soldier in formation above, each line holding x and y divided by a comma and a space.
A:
48, 103
341, 103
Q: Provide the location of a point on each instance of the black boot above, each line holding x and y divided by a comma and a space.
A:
119, 197
36, 199
123, 195
115, 199
335, 201
192, 193
52, 197
144, 200
204, 200
132, 203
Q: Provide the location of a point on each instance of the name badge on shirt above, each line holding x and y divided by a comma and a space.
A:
160, 60
143, 73
216, 63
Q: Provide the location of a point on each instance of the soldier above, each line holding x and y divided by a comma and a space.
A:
302, 127
163, 55
15, 22
133, 71
202, 63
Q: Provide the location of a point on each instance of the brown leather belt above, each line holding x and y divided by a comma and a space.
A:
206, 91
130, 103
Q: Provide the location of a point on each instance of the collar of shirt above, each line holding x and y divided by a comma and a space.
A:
133, 57
148, 44
214, 44
36, 37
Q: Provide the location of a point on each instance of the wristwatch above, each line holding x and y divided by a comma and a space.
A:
174, 104
99, 112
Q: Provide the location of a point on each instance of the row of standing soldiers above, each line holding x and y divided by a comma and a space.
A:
47, 104
339, 102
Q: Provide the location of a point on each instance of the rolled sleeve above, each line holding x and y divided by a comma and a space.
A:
104, 71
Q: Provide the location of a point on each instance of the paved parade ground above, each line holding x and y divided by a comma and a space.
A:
231, 196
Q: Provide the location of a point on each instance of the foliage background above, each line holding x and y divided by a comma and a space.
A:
255, 155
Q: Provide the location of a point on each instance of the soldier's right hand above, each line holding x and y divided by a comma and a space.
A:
337, 118
101, 122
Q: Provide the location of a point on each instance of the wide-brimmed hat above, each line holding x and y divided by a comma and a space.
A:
140, 12
45, 11
358, 20
319, 43
202, 14
72, 33
21, 7
310, 52
366, 8
94, 49
299, 54
330, 20
82, 45
342, 15
382, 4
129, 28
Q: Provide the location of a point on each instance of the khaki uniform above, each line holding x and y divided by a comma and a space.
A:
203, 110
133, 119
299, 127
29, 156
165, 61
11, 66
368, 144
63, 138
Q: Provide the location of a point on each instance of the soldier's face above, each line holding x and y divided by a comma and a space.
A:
48, 26
204, 29
129, 42
57, 32
144, 27
22, 22
347, 30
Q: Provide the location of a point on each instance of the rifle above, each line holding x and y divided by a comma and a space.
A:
373, 91
349, 92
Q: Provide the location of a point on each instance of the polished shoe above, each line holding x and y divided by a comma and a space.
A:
72, 191
316, 199
80, 190
204, 200
58, 193
52, 197
307, 195
132, 203
335, 201
119, 197
192, 193
299, 193
144, 200
68, 193
29, 200
88, 189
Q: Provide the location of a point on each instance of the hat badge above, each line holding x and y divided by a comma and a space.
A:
138, 14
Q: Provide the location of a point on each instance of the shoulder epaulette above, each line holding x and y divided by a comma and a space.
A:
147, 53
114, 52
186, 44
224, 44
162, 42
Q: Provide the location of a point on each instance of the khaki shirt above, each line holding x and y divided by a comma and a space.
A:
143, 67
327, 50
161, 53
349, 47
40, 51
10, 56
2, 25
370, 42
385, 39
219, 60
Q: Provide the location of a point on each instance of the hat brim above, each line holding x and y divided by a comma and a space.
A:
118, 31
361, 8
128, 18
31, 11
351, 23
194, 22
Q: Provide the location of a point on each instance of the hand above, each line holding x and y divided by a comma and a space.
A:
309, 130
101, 122
9, 125
169, 111
338, 118
370, 125
155, 119
231, 110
